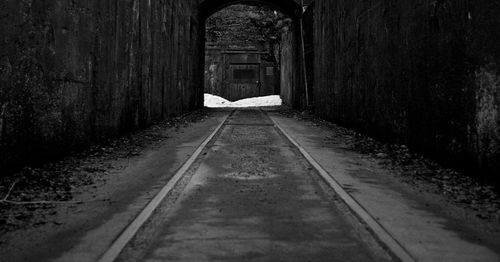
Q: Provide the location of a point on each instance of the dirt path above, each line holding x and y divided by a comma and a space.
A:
253, 198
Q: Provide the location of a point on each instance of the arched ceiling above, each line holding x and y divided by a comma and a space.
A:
288, 7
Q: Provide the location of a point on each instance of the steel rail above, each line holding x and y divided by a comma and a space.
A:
119, 244
395, 249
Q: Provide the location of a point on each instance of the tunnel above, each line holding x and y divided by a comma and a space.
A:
389, 136
423, 74
291, 69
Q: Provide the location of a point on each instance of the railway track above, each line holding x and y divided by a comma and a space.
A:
250, 192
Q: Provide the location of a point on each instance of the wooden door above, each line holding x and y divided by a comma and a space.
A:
244, 81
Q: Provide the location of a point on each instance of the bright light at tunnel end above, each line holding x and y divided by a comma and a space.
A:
212, 101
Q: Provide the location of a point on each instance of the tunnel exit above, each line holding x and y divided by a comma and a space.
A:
252, 52
241, 70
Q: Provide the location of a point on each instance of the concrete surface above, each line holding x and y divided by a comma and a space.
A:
254, 198
137, 185
84, 231
418, 227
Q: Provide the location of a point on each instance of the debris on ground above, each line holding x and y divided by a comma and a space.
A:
30, 195
461, 189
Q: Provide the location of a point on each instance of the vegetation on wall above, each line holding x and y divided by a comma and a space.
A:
249, 24
245, 23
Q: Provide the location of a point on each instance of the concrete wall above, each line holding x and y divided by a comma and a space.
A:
291, 74
308, 31
73, 72
420, 72
286, 66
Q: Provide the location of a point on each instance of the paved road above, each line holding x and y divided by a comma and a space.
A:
254, 198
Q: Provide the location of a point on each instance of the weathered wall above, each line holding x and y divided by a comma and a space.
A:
291, 74
420, 72
286, 66
308, 31
73, 72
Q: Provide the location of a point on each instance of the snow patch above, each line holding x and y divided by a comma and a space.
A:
217, 101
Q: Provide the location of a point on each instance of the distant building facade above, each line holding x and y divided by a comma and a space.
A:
236, 71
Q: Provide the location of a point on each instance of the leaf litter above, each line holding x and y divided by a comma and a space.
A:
29, 197
480, 198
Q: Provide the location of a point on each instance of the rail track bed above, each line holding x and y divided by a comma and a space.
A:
247, 194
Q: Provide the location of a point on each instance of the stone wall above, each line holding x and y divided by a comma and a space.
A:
74, 72
424, 73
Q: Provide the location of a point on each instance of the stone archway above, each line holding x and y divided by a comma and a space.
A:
289, 7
